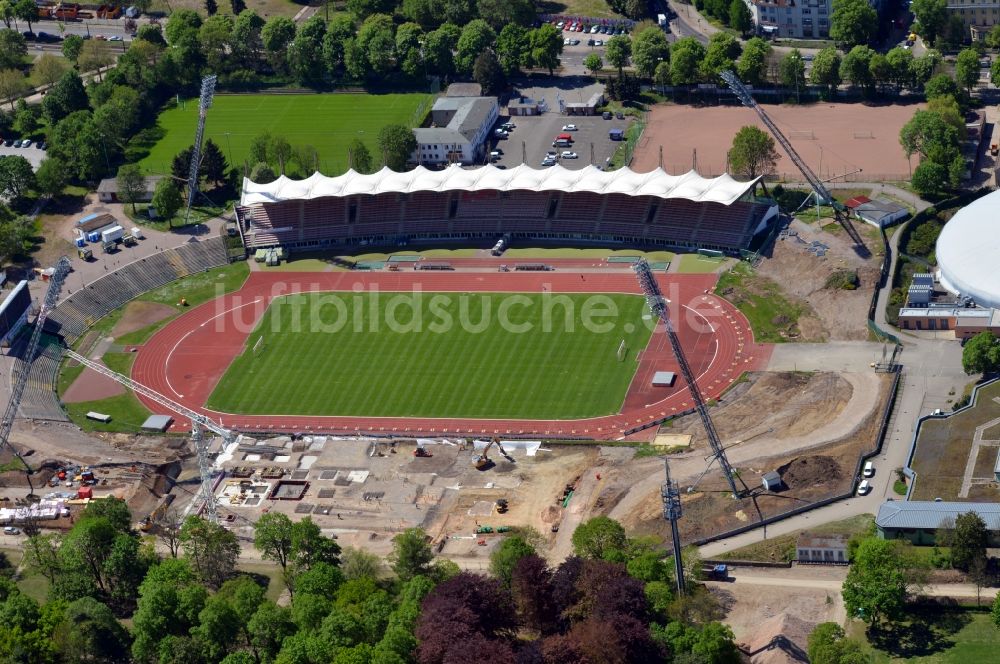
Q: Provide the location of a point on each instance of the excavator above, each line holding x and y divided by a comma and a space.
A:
421, 452
483, 462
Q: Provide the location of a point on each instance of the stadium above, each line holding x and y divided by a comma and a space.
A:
239, 358
968, 252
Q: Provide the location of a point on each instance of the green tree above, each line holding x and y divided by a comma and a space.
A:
358, 564
594, 64
27, 11
792, 70
305, 53
397, 144
932, 18
686, 55
411, 554
856, 68
967, 69
262, 173
71, 47
131, 184
167, 199
545, 44
311, 547
941, 85
16, 176
500, 13
276, 35
358, 157
753, 153
89, 632
924, 68
211, 549
13, 86
995, 611
716, 643
505, 557
213, 162
65, 97
981, 354
272, 536
853, 22
880, 70
51, 176
488, 73
438, 50
13, 48
752, 65
900, 61
600, 538
649, 48
512, 47
49, 68
14, 233
930, 178
476, 37
618, 52
930, 135
827, 645
875, 588
826, 69
721, 54
740, 18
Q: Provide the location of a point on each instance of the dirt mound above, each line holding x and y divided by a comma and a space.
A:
779, 640
804, 472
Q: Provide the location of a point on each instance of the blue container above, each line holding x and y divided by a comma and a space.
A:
81, 242
93, 237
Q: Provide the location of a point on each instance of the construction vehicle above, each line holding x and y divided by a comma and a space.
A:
502, 506
716, 572
483, 461
994, 149
85, 254
422, 452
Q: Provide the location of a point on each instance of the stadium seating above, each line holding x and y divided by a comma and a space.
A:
39, 401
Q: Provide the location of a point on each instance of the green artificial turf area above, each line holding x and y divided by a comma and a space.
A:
413, 363
327, 122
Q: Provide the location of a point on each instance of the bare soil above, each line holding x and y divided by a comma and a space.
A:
139, 314
92, 386
839, 314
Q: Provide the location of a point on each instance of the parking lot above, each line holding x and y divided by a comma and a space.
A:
32, 154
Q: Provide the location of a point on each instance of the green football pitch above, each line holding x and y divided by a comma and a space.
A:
487, 355
327, 122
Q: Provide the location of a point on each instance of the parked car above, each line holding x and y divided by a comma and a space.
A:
548, 162
598, 42
26, 144
570, 127
11, 530
590, 42
869, 469
17, 143
594, 30
508, 126
864, 488
574, 42
567, 154
500, 133
116, 38
43, 146
8, 142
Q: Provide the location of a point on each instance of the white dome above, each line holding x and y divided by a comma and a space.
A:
968, 251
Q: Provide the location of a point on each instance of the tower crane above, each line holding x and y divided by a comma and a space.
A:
822, 194
198, 423
658, 307
23, 366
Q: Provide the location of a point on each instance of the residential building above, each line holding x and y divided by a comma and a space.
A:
979, 16
829, 549
459, 132
921, 522
796, 19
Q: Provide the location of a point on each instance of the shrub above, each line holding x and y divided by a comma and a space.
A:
843, 280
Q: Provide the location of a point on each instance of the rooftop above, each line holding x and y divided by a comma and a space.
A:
931, 515
464, 90
813, 541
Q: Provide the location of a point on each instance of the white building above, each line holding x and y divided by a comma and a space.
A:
459, 133
796, 19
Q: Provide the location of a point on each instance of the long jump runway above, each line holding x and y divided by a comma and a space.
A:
186, 359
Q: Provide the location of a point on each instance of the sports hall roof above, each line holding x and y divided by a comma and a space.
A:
690, 185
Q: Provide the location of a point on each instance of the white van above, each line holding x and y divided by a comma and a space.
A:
869, 469
864, 488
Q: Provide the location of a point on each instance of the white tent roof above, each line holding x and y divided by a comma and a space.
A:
968, 251
690, 186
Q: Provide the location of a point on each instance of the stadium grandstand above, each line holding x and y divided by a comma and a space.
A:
686, 211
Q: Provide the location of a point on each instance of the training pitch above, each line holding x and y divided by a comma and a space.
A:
438, 355
327, 122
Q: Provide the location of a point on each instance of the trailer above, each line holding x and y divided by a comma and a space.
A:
128, 240
113, 234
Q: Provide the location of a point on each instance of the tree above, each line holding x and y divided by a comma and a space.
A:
720, 56
276, 35
13, 48
65, 97
500, 13
618, 52
27, 11
411, 554
131, 184
71, 46
359, 564
272, 536
397, 144
856, 68
753, 154
930, 178
792, 70
924, 68
13, 86
211, 7
488, 621
305, 53
49, 68
167, 199
89, 632
740, 18
967, 69
686, 55
930, 135
932, 17
358, 157
439, 47
512, 47
51, 176
476, 37
995, 611
594, 64
488, 73
16, 176
852, 22
213, 163
545, 44
94, 56
262, 173
310, 547
875, 588
900, 62
599, 538
505, 557
649, 48
752, 65
211, 549
14, 233
981, 354
827, 645
826, 69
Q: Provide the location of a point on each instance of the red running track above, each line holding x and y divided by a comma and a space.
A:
186, 359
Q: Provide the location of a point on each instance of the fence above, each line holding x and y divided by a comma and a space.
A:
879, 440
883, 280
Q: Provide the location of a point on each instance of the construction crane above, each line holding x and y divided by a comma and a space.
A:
672, 512
658, 306
822, 194
198, 423
23, 366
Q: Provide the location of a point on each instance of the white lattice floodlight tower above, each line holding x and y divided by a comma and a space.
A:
204, 103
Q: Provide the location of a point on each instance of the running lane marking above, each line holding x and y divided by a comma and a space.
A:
166, 363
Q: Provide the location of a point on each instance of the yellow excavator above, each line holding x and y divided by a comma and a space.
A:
483, 462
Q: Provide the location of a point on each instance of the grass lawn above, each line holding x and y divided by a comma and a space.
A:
275, 584
462, 360
126, 411
698, 264
782, 547
201, 287
934, 635
770, 314
590, 8
327, 122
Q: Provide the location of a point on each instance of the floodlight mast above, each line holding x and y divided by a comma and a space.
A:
672, 512
204, 103
22, 367
658, 306
198, 422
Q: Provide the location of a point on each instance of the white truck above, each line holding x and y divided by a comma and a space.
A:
661, 19
113, 234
